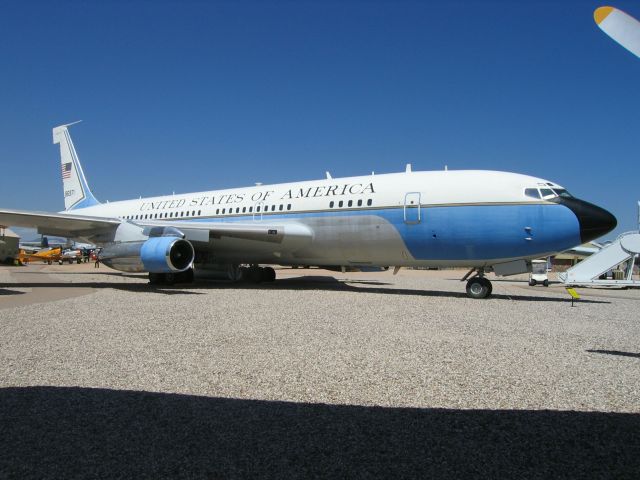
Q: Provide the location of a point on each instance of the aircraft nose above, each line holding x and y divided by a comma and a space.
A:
594, 221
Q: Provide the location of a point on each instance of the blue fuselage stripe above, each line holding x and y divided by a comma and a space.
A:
469, 232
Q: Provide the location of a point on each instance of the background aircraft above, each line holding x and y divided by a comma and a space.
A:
484, 220
45, 255
623, 28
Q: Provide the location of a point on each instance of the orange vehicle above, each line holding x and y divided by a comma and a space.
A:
47, 256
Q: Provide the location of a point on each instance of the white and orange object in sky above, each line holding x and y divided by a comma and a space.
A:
623, 28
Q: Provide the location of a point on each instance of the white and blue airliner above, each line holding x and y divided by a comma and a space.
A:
484, 220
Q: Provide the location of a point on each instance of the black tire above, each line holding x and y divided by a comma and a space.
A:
185, 277
268, 274
155, 278
545, 283
532, 283
254, 274
479, 287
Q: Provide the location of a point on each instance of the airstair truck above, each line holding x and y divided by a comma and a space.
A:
624, 250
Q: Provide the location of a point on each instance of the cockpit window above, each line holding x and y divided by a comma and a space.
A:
532, 192
547, 192
561, 192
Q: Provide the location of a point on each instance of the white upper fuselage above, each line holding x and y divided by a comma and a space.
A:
448, 187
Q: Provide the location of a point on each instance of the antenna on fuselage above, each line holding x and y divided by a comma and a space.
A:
329, 177
408, 169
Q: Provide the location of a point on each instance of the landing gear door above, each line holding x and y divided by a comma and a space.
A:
412, 213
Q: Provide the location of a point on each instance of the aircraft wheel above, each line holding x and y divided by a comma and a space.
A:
479, 287
155, 278
254, 274
170, 278
532, 283
185, 277
545, 283
268, 274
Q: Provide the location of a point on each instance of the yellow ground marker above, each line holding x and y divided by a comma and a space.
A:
574, 295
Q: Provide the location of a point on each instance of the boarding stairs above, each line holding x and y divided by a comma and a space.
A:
624, 249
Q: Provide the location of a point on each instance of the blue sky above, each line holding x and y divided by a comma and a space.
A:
189, 96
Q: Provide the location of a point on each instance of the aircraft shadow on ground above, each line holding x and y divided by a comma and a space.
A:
326, 283
69, 432
4, 291
616, 353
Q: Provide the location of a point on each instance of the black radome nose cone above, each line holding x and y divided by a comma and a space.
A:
594, 221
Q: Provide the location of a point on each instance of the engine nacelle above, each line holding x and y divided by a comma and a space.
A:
155, 255
166, 254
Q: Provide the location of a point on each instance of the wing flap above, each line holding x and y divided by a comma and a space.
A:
274, 233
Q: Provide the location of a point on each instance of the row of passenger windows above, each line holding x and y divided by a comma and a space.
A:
151, 216
349, 203
231, 210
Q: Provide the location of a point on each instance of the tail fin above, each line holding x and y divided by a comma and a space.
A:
76, 189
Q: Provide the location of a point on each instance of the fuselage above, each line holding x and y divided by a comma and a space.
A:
436, 218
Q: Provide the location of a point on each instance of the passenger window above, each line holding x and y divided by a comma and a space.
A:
289, 206
281, 207
360, 202
273, 208
532, 192
350, 203
223, 210
244, 209
250, 209
199, 212
331, 204
340, 203
217, 211
369, 202
258, 208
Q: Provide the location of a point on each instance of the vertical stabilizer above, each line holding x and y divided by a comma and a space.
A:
75, 187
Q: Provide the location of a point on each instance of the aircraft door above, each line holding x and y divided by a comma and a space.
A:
412, 213
258, 207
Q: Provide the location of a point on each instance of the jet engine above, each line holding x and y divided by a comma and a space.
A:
167, 254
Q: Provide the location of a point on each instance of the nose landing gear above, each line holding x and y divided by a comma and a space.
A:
478, 286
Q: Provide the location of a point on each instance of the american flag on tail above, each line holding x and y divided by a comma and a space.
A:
66, 170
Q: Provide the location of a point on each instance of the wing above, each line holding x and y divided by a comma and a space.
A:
623, 28
61, 224
73, 226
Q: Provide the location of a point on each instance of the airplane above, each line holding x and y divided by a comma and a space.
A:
483, 220
621, 27
46, 255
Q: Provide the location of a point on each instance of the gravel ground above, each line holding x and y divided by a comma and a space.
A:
316, 375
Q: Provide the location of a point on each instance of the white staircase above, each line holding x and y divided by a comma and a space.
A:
625, 249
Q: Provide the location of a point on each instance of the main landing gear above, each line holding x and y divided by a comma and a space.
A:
256, 274
171, 278
478, 286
